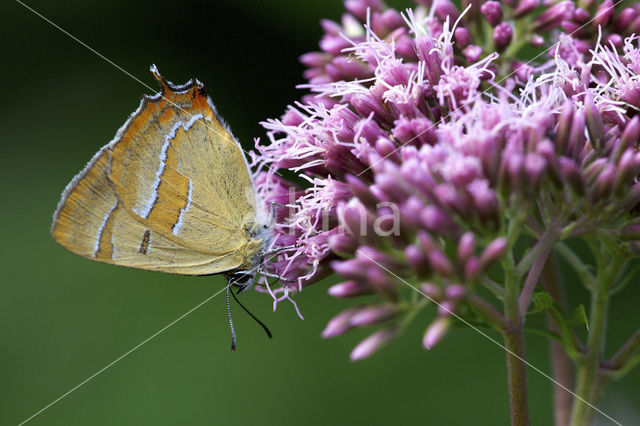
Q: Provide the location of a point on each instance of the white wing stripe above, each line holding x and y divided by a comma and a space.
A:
178, 224
145, 210
96, 245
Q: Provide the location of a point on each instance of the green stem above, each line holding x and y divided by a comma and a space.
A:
494, 287
514, 342
540, 249
621, 360
491, 314
532, 280
577, 264
560, 361
590, 384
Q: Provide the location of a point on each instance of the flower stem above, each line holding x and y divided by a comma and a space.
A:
583, 411
560, 361
493, 316
532, 280
626, 353
590, 383
514, 342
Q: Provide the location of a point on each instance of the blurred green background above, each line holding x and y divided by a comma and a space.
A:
63, 318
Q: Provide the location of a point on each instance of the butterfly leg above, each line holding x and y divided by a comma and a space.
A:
263, 272
277, 250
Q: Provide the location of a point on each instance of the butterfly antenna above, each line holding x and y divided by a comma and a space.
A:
233, 330
266, 329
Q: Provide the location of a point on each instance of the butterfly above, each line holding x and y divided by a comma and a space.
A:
172, 192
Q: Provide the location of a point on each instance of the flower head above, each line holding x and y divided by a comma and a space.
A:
415, 156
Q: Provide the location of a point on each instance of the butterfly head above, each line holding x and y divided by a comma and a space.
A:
243, 280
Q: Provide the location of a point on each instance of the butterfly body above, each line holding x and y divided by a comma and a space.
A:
172, 192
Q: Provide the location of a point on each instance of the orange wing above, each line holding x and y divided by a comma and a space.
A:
172, 191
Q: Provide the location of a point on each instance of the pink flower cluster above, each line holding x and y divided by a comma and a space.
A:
425, 151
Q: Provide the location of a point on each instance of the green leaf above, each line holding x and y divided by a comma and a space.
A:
579, 317
541, 302
569, 340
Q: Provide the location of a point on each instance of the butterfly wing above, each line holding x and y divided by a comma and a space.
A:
172, 192
92, 221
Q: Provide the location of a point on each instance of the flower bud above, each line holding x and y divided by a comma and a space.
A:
373, 315
580, 16
603, 188
604, 12
472, 269
433, 292
569, 27
404, 47
342, 244
594, 122
315, 59
446, 9
440, 263
351, 269
365, 104
385, 22
462, 37
553, 16
368, 130
535, 166
350, 289
447, 308
390, 188
575, 142
627, 170
522, 70
436, 331
525, 7
571, 174
382, 283
425, 51
633, 197
435, 220
472, 53
333, 44
358, 8
623, 19
492, 11
493, 251
378, 258
417, 261
372, 343
466, 247
563, 130
615, 40
593, 170
340, 323
630, 138
387, 149
361, 191
455, 292
631, 93
344, 68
